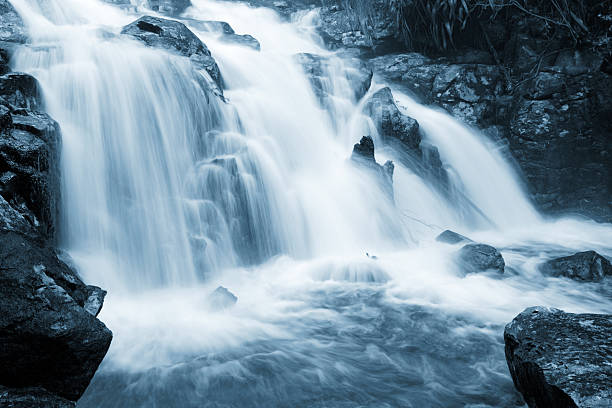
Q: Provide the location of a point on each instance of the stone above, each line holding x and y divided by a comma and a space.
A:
49, 340
559, 359
31, 397
221, 299
363, 156
175, 36
227, 33
20, 91
586, 266
451, 237
475, 257
11, 24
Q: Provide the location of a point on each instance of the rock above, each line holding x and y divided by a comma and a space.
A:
31, 397
49, 340
175, 36
222, 299
363, 156
451, 237
227, 33
583, 266
560, 359
95, 300
11, 24
474, 258
20, 91
170, 7
30, 144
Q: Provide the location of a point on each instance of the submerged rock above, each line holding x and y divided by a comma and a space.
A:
451, 237
222, 299
475, 258
175, 36
560, 359
583, 266
227, 33
363, 156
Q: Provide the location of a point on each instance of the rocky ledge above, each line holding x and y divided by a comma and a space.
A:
560, 359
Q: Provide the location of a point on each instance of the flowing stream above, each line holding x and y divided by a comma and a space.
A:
169, 192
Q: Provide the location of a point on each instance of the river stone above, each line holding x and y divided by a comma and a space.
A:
174, 35
560, 359
475, 258
582, 266
222, 299
451, 237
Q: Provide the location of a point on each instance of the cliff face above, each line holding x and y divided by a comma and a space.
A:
51, 341
529, 79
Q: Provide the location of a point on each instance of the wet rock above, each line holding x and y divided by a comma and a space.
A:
49, 340
227, 33
175, 36
451, 237
222, 299
560, 359
170, 7
363, 156
95, 300
242, 39
20, 91
11, 24
582, 266
30, 144
475, 257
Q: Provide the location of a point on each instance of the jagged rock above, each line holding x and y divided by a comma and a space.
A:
95, 300
560, 359
451, 237
12, 29
175, 36
49, 340
474, 258
221, 299
363, 156
20, 91
29, 166
582, 266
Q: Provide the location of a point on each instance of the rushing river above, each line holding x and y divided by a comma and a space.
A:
169, 192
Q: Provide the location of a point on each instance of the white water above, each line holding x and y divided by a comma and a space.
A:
169, 192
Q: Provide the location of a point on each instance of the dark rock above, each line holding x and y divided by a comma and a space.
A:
95, 300
175, 36
242, 39
31, 397
227, 33
451, 237
475, 258
560, 359
363, 156
582, 266
20, 91
29, 167
49, 340
221, 299
170, 7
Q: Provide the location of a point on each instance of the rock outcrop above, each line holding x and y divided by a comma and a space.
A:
560, 359
582, 266
225, 31
175, 37
363, 156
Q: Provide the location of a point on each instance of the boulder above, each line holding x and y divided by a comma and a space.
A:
451, 237
170, 7
20, 91
582, 266
226, 32
175, 36
221, 299
12, 29
49, 340
474, 258
560, 359
31, 397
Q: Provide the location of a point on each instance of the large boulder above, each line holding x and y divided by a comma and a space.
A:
174, 36
49, 340
560, 359
582, 266
475, 257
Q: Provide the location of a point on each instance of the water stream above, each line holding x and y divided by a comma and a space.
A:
169, 192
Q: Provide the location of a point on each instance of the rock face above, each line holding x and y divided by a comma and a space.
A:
475, 258
221, 299
226, 32
175, 36
560, 359
582, 266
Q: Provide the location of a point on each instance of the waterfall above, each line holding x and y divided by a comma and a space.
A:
169, 190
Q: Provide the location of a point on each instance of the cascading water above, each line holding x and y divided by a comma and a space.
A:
169, 191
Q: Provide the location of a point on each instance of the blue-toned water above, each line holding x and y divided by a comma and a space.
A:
169, 192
